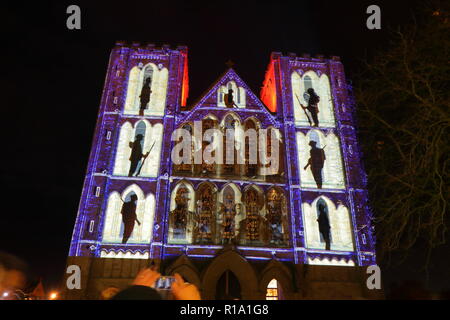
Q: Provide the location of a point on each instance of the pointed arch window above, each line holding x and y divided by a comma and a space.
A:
250, 151
148, 75
253, 202
140, 131
182, 207
227, 215
205, 214
322, 208
276, 215
189, 166
307, 82
272, 292
230, 126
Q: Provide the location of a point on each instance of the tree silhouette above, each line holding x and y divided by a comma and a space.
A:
404, 113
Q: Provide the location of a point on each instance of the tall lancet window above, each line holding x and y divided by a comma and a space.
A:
312, 101
308, 85
181, 216
205, 228
187, 165
253, 223
228, 215
138, 150
129, 217
230, 127
251, 135
147, 90
323, 223
276, 216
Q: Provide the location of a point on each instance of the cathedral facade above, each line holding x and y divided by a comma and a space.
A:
289, 220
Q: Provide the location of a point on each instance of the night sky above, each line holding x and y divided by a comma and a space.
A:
52, 80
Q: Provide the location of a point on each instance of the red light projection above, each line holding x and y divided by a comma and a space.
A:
185, 86
268, 91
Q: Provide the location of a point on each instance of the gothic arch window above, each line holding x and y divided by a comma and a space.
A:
239, 95
186, 166
205, 218
120, 211
341, 234
228, 214
210, 146
300, 84
157, 80
230, 126
250, 139
321, 205
253, 227
276, 216
150, 142
307, 82
273, 290
274, 153
181, 215
325, 170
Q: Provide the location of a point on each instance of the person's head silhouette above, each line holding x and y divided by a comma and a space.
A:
139, 137
313, 144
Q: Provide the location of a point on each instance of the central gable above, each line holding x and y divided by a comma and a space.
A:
246, 103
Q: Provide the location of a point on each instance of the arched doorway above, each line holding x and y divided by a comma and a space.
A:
228, 287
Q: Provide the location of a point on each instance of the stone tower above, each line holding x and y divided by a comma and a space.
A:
295, 227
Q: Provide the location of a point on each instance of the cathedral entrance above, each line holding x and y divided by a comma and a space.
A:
228, 287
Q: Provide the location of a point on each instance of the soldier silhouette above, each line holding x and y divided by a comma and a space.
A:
316, 161
129, 217
229, 100
145, 96
136, 154
324, 226
313, 107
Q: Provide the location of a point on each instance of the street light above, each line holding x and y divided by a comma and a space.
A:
53, 295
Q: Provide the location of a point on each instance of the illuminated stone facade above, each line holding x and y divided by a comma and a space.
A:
201, 220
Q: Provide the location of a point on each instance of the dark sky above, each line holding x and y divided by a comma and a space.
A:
52, 81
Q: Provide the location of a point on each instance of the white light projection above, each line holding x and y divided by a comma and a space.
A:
145, 211
152, 142
340, 225
332, 172
321, 85
123, 255
159, 83
333, 262
238, 94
